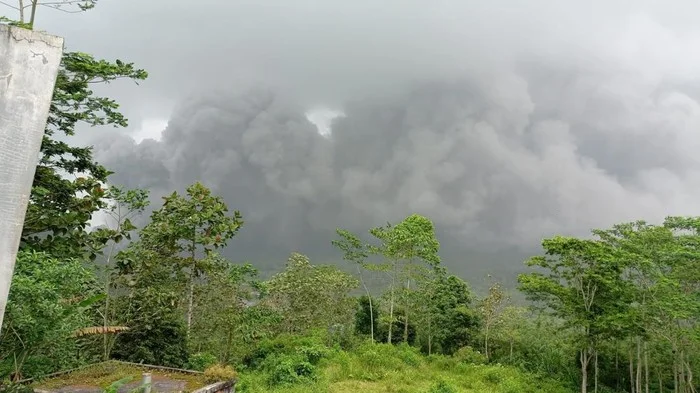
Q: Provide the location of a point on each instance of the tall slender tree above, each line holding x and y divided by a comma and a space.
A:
581, 283
190, 228
403, 245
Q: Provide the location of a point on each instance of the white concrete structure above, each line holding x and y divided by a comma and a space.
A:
29, 64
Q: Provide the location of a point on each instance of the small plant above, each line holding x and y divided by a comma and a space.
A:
10, 387
219, 372
114, 386
442, 387
201, 361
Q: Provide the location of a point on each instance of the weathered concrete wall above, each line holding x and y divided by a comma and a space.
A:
29, 64
219, 387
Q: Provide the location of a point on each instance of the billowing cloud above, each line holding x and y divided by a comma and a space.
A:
503, 122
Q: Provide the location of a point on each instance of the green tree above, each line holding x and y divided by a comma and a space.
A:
660, 263
148, 286
491, 308
220, 303
124, 205
403, 245
447, 318
47, 303
581, 284
367, 316
357, 252
188, 228
509, 331
67, 188
309, 296
68, 184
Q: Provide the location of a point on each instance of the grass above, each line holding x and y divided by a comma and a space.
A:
387, 369
104, 374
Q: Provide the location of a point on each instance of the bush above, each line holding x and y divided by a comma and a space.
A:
310, 348
469, 355
442, 387
219, 373
408, 354
201, 361
289, 369
442, 362
162, 342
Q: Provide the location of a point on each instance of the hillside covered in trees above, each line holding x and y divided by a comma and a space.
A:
614, 312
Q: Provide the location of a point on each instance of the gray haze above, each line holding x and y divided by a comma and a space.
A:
503, 121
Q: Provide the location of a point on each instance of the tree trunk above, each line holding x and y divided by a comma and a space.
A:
21, 11
371, 310
105, 323
638, 385
371, 320
510, 357
486, 342
631, 371
617, 366
691, 387
391, 306
646, 368
35, 4
595, 373
675, 375
681, 372
190, 304
190, 300
430, 328
584, 370
406, 305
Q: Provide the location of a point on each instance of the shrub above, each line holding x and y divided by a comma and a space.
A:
219, 373
469, 355
494, 376
408, 355
442, 387
311, 347
289, 369
201, 361
314, 353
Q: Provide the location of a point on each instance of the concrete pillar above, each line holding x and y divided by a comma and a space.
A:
29, 64
146, 383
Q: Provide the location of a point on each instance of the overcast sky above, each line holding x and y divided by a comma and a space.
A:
503, 121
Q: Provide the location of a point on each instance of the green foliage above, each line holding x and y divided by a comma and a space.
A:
289, 369
413, 238
310, 296
201, 361
444, 313
470, 355
187, 225
288, 359
9, 387
222, 323
160, 341
219, 373
442, 387
68, 183
116, 385
363, 319
311, 348
48, 301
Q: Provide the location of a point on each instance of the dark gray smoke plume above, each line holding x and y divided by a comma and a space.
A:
552, 137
